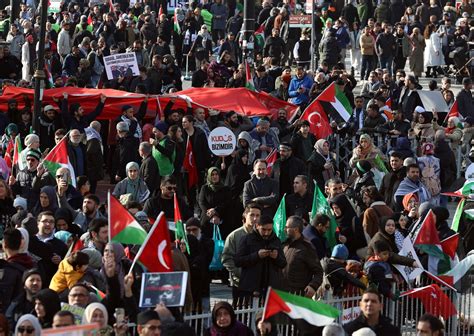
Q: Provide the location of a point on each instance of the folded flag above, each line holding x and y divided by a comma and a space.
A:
298, 307
279, 220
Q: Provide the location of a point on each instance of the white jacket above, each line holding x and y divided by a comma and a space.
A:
64, 43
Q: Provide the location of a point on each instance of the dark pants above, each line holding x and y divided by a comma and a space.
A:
399, 63
366, 67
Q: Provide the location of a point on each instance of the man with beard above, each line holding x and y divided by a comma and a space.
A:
282, 124
302, 143
303, 273
74, 117
267, 139
392, 179
286, 168
261, 257
236, 123
25, 303
300, 202
261, 189
67, 194
88, 211
77, 152
13, 112
411, 184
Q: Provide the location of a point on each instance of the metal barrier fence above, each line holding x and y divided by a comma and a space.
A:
404, 313
343, 145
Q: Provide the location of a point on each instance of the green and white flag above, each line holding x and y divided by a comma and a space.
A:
279, 220
298, 308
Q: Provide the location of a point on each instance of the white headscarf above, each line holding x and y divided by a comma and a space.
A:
26, 238
33, 320
90, 309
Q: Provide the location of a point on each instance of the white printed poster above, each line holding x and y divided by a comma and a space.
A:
121, 65
54, 6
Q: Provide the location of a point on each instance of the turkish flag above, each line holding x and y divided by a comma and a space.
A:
189, 164
318, 120
155, 253
434, 300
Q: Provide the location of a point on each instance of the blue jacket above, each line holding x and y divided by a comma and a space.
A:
300, 98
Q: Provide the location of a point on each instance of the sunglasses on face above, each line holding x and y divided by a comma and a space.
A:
28, 330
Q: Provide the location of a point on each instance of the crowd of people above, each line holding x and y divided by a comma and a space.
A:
376, 199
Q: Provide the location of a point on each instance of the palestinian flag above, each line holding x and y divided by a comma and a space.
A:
57, 158
248, 78
123, 227
458, 271
298, 308
457, 215
453, 112
427, 240
49, 79
338, 101
17, 159
176, 26
180, 233
465, 191
100, 295
260, 35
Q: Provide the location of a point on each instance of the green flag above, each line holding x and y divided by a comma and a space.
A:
380, 165
321, 205
279, 220
457, 215
207, 16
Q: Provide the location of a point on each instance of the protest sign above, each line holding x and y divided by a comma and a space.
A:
54, 6
221, 141
75, 330
409, 273
121, 65
350, 314
169, 288
78, 312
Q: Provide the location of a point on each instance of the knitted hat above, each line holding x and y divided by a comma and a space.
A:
340, 251
34, 153
30, 139
19, 217
20, 202
29, 273
11, 128
161, 126
95, 258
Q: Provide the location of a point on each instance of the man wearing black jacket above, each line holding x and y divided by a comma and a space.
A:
392, 179
149, 171
371, 317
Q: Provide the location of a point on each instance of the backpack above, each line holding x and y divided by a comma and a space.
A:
430, 179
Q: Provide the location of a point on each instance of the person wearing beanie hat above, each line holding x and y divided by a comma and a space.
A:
74, 117
337, 277
166, 149
11, 130
95, 258
286, 168
20, 203
32, 283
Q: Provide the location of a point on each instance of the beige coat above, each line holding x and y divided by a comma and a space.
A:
367, 44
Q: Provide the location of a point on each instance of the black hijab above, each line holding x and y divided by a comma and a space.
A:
347, 211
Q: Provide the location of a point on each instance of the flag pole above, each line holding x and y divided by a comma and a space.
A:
108, 216
140, 251
266, 302
440, 280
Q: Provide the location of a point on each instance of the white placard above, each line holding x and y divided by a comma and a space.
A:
54, 6
350, 314
121, 65
222, 141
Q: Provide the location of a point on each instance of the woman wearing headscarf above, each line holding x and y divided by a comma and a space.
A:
453, 132
365, 150
64, 219
202, 46
28, 324
116, 251
411, 203
365, 178
224, 322
351, 232
132, 186
25, 240
97, 313
47, 303
214, 201
387, 233
423, 126
321, 164
48, 201
237, 174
